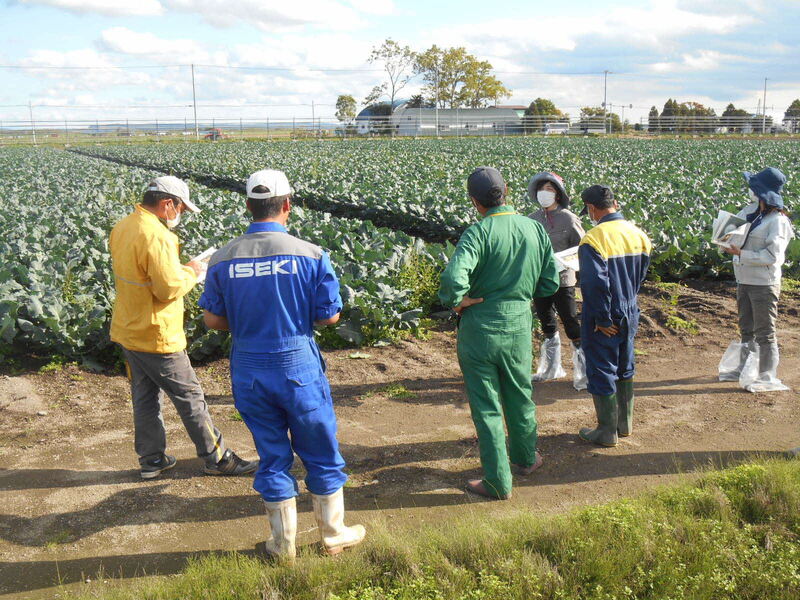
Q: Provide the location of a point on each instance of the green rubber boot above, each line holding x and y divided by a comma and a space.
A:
625, 407
606, 432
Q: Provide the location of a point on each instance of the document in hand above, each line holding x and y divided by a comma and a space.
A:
567, 259
203, 258
729, 230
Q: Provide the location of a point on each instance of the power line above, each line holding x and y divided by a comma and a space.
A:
260, 68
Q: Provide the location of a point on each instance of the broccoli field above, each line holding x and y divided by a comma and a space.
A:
388, 211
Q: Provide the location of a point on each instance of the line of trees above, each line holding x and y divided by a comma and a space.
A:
693, 117
452, 77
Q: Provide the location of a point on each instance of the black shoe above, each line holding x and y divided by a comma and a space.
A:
230, 464
155, 466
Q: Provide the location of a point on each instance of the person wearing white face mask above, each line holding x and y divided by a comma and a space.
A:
565, 231
147, 322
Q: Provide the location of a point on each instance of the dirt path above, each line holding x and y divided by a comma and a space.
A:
71, 502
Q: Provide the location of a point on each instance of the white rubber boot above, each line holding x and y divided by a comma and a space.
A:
329, 513
282, 518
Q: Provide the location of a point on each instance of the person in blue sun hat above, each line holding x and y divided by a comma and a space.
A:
757, 266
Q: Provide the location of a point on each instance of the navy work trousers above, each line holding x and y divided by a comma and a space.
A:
608, 359
285, 400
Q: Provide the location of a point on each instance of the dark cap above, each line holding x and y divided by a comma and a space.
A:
487, 186
596, 195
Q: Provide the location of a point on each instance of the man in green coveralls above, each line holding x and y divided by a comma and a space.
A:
501, 264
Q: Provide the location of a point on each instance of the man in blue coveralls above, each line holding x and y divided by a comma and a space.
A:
613, 257
270, 289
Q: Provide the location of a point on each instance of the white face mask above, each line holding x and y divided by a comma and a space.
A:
174, 221
546, 198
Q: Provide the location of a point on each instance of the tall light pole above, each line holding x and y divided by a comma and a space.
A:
764, 108
605, 89
194, 104
33, 123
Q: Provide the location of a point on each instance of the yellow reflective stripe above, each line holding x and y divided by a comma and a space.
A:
216, 441
147, 284
616, 239
501, 214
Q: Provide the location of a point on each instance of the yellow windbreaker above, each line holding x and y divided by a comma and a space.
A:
150, 283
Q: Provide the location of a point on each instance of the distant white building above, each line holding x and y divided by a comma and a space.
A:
407, 121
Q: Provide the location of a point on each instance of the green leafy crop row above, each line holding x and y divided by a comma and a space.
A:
672, 188
56, 283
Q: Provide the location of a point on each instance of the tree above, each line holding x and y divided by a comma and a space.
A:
398, 62
417, 101
374, 94
652, 120
480, 86
345, 108
734, 118
792, 115
687, 117
455, 78
592, 117
542, 111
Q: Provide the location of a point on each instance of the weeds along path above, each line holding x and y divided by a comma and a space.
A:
72, 505
424, 229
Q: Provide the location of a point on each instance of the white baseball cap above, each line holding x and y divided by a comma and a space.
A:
173, 186
275, 182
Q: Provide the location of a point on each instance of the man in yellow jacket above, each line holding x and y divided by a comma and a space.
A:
148, 323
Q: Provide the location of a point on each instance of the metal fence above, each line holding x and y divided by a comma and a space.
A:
407, 124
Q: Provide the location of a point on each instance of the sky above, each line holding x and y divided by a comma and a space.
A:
259, 59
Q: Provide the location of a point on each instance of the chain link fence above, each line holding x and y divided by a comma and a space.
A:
409, 123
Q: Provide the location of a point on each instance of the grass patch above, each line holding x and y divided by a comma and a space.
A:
790, 285
733, 534
235, 416
676, 323
393, 391
56, 365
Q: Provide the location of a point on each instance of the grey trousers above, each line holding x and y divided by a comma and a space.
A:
172, 373
758, 312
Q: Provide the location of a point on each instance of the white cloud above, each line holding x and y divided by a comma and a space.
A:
702, 60
133, 43
654, 26
374, 7
113, 8
272, 15
73, 58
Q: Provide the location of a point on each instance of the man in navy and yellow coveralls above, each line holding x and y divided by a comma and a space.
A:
500, 264
269, 289
614, 257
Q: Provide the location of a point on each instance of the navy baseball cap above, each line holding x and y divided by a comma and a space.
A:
595, 195
486, 185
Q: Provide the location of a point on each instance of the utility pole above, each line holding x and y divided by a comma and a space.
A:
605, 89
33, 124
764, 108
437, 97
312, 116
194, 104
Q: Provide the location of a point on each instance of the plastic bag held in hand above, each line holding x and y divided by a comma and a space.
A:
550, 360
579, 379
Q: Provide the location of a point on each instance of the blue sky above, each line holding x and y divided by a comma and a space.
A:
709, 51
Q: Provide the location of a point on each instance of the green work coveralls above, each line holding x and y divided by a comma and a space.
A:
507, 260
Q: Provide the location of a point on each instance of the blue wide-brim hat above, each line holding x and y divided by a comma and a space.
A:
767, 185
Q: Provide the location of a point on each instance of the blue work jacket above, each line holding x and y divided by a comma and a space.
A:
271, 286
614, 257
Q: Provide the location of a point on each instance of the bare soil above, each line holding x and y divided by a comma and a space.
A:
72, 505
